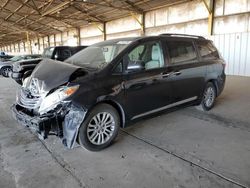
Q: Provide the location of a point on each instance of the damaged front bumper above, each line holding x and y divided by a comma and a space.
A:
63, 122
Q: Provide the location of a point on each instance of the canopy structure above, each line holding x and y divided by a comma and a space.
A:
19, 18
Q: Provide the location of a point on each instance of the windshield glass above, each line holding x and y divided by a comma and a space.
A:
48, 52
16, 58
98, 55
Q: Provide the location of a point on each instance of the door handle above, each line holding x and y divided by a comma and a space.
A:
176, 73
165, 75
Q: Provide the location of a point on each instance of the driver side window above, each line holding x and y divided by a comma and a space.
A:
147, 56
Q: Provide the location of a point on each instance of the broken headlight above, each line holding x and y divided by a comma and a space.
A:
53, 99
26, 82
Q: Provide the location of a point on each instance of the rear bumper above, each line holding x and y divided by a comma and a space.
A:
221, 81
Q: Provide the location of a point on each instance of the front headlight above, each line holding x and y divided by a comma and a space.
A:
26, 82
53, 99
18, 68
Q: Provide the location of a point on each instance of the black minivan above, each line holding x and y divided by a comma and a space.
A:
112, 83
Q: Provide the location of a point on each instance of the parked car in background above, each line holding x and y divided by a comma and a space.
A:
6, 65
4, 56
22, 69
115, 82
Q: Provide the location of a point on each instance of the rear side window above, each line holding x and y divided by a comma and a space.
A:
207, 50
181, 52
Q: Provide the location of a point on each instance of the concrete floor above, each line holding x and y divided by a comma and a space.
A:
186, 148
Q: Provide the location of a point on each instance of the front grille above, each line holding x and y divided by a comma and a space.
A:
27, 100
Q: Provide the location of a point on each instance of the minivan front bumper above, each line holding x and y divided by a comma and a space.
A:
63, 122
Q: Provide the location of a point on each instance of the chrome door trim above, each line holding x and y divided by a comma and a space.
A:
165, 107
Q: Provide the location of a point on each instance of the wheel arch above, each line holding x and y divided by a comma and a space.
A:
118, 108
3, 67
6, 66
215, 83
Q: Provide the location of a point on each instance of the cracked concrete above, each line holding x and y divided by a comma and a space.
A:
186, 148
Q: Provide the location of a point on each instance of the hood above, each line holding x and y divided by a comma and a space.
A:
50, 74
5, 62
29, 61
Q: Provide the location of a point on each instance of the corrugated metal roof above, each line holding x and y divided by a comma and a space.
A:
46, 17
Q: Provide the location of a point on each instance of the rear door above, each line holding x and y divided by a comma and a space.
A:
185, 71
210, 56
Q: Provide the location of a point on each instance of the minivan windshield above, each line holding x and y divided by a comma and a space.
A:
98, 55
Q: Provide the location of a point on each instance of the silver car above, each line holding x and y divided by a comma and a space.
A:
6, 66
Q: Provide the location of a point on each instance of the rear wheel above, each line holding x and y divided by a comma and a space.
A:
208, 98
100, 128
5, 71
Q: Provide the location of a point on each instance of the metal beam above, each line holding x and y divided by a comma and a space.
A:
133, 6
29, 43
210, 5
107, 5
25, 17
103, 29
57, 8
78, 31
17, 26
140, 21
87, 14
17, 9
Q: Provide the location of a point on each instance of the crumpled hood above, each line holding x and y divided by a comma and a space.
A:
50, 74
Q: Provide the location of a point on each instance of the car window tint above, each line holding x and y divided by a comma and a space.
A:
207, 50
66, 53
148, 55
181, 52
136, 53
118, 68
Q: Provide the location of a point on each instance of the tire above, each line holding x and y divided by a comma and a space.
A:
93, 133
208, 97
19, 82
5, 71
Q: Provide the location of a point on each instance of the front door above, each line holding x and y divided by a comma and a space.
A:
147, 87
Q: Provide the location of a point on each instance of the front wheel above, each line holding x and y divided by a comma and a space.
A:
208, 98
5, 71
100, 128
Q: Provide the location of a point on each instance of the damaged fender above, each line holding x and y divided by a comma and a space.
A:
72, 122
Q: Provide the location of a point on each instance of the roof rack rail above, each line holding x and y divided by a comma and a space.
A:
182, 35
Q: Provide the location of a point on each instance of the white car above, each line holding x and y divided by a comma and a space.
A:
6, 65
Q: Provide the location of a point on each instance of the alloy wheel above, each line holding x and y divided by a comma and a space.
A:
5, 72
101, 128
209, 96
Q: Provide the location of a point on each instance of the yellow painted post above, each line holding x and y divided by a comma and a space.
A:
141, 22
210, 8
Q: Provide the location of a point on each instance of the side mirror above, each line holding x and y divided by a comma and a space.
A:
135, 66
